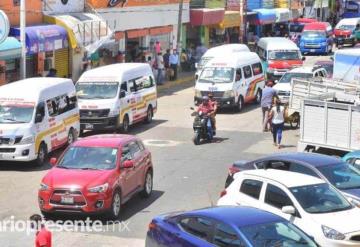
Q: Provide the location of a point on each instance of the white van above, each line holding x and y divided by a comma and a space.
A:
37, 116
219, 51
232, 79
116, 96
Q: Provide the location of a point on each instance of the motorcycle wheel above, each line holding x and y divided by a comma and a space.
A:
196, 138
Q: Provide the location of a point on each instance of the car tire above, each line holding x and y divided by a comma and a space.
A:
196, 138
149, 115
71, 136
42, 154
126, 124
240, 104
115, 208
148, 185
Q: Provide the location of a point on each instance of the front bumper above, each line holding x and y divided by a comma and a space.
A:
314, 50
105, 123
221, 102
17, 152
345, 41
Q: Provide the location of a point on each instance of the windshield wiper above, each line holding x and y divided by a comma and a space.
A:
88, 168
64, 167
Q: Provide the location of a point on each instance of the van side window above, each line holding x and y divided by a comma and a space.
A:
148, 82
124, 86
60, 104
257, 68
247, 71
40, 109
238, 75
136, 84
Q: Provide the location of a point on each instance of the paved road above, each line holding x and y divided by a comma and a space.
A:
186, 176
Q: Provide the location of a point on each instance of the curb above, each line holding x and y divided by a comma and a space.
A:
170, 84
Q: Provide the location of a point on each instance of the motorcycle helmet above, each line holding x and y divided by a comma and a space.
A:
205, 99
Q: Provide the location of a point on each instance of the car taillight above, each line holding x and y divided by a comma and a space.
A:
223, 193
233, 170
152, 226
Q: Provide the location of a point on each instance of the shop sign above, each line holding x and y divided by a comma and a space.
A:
233, 5
63, 6
131, 3
4, 26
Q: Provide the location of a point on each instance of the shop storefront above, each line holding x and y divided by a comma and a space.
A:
262, 22
46, 48
281, 26
10, 53
230, 26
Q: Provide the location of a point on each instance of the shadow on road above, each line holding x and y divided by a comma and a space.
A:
247, 108
173, 90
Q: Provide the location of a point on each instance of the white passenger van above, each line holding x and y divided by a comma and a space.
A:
219, 51
232, 79
37, 116
116, 96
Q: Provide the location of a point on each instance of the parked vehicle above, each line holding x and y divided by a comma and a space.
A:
330, 169
233, 80
97, 174
296, 27
353, 158
116, 96
328, 65
202, 127
283, 86
316, 38
345, 31
346, 65
224, 226
278, 56
218, 51
37, 116
308, 202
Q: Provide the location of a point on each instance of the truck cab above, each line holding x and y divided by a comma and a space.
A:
316, 38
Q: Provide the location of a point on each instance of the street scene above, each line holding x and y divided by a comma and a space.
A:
195, 123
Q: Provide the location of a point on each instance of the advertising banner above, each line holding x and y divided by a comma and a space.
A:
63, 6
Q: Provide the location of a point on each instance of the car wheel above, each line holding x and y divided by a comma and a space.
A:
42, 154
71, 136
115, 208
148, 185
240, 104
149, 114
258, 97
125, 125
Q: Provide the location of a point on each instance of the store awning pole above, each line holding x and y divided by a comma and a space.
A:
23, 39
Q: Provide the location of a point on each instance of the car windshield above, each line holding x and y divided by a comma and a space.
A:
16, 113
343, 176
296, 28
313, 34
286, 78
217, 75
346, 27
320, 198
276, 234
284, 55
96, 90
89, 158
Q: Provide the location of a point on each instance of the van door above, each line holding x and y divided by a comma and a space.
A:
248, 78
138, 104
239, 81
41, 125
125, 96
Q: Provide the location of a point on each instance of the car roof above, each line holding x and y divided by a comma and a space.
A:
286, 178
235, 215
233, 60
348, 21
226, 49
105, 140
313, 159
277, 43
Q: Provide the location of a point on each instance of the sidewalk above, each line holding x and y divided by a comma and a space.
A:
183, 77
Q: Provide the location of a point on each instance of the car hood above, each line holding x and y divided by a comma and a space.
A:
74, 178
94, 104
282, 86
342, 32
352, 193
285, 64
14, 129
342, 221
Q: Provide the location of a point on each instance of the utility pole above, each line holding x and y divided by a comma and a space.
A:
179, 28
242, 29
321, 10
22, 38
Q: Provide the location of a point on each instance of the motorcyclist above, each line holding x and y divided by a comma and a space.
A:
214, 104
207, 109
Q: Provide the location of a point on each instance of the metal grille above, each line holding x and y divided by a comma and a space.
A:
7, 150
94, 113
217, 94
79, 199
312, 45
7, 140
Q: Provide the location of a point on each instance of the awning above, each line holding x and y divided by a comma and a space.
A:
282, 15
160, 30
206, 17
137, 33
42, 38
263, 16
231, 19
84, 29
10, 48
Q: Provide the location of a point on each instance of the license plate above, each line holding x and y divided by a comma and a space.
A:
89, 126
67, 199
312, 50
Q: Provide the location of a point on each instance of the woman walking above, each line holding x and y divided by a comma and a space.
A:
277, 114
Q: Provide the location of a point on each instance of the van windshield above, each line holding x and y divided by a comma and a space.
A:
284, 55
96, 90
217, 75
346, 27
296, 28
314, 34
203, 61
15, 113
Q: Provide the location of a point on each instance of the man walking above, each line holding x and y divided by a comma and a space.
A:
174, 61
43, 236
166, 58
268, 93
160, 68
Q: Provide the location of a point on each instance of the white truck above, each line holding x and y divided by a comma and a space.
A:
347, 65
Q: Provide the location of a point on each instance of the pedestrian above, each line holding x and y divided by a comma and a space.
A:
160, 69
157, 47
174, 61
184, 62
43, 236
277, 116
268, 93
166, 59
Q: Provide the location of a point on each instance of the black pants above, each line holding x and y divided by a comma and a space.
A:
174, 68
277, 132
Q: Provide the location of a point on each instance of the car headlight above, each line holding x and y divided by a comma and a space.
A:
99, 189
27, 140
44, 187
229, 94
197, 93
332, 234
114, 113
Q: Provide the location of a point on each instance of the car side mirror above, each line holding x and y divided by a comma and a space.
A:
53, 161
38, 118
303, 58
122, 94
288, 210
128, 164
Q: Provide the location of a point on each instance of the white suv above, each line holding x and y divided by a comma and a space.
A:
311, 204
283, 86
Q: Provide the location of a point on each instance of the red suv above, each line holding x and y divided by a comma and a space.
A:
97, 174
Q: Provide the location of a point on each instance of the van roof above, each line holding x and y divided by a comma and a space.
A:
30, 88
316, 26
233, 60
277, 43
227, 48
112, 72
349, 21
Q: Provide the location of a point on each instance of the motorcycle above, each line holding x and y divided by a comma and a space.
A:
202, 127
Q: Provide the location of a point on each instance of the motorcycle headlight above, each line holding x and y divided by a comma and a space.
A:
44, 187
229, 94
99, 189
197, 93
332, 234
27, 140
